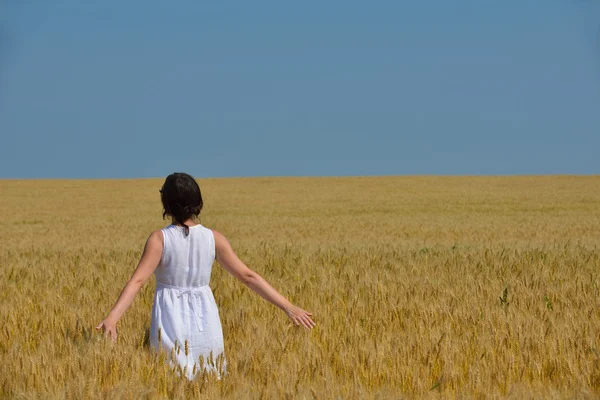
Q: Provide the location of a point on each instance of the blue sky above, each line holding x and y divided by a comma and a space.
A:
269, 88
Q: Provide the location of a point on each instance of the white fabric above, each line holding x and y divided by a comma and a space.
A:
184, 307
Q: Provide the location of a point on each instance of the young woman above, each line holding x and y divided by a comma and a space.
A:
184, 313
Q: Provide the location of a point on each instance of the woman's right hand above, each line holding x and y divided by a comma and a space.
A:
300, 317
109, 328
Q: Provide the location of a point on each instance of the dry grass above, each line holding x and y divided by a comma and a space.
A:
420, 286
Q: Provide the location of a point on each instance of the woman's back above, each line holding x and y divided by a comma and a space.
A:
186, 261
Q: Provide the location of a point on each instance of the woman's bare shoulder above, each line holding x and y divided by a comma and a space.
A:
156, 237
218, 235
221, 242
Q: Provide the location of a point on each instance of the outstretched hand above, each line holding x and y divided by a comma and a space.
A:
300, 317
109, 328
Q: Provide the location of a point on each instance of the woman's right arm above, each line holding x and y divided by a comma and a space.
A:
230, 261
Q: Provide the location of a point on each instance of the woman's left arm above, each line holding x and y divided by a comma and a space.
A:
148, 263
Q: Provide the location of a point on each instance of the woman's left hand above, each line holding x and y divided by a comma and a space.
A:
300, 317
109, 328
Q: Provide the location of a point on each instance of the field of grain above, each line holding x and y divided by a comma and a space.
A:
420, 287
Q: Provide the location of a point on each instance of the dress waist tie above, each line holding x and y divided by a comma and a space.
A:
193, 298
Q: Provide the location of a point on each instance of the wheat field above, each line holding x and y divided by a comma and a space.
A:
421, 287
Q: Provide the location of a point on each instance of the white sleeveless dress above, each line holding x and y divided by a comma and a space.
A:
184, 308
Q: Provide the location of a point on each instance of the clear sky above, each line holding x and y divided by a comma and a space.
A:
119, 89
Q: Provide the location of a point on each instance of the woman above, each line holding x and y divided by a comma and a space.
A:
184, 313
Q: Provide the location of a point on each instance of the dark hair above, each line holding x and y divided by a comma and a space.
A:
181, 198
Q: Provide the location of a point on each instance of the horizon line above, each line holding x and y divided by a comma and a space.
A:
306, 177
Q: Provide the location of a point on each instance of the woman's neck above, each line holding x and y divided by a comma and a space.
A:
189, 222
